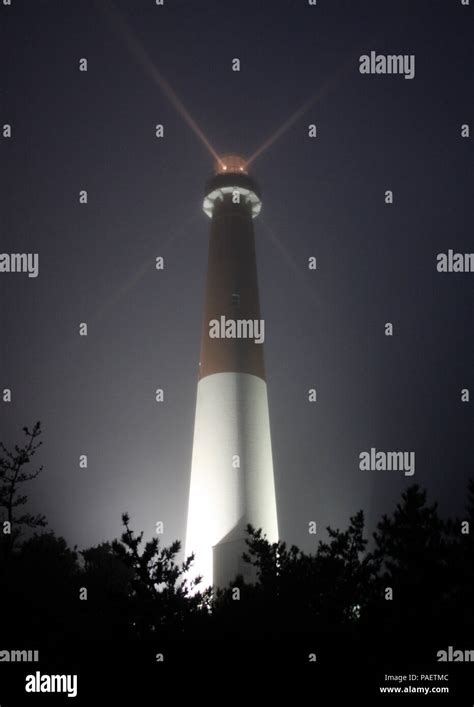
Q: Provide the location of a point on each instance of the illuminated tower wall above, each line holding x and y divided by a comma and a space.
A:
232, 469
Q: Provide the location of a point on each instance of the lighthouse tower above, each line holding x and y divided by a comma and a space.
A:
232, 469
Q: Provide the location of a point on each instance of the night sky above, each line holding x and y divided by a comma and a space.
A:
322, 197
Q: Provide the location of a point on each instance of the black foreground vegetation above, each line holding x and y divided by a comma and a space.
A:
130, 588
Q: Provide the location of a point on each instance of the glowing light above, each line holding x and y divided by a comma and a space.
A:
231, 163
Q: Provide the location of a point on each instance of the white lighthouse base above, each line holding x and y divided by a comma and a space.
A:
231, 477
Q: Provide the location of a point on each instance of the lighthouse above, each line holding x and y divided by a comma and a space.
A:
232, 481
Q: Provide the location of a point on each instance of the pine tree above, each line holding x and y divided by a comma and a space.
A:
12, 476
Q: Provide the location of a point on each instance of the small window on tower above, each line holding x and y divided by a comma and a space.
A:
236, 299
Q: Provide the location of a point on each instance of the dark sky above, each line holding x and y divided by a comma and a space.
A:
322, 197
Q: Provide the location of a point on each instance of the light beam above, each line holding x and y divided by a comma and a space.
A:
142, 57
284, 127
292, 264
147, 264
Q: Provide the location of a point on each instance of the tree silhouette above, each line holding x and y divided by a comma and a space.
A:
163, 600
458, 608
12, 477
108, 579
297, 592
138, 589
414, 548
40, 588
346, 573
